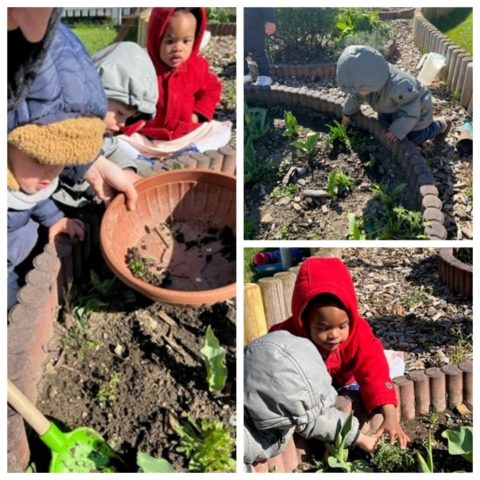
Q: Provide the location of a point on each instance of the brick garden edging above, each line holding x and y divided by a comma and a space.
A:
32, 319
458, 73
456, 274
405, 153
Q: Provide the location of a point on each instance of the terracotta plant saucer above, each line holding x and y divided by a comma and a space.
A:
184, 224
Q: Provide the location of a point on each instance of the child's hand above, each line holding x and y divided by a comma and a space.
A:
392, 427
391, 137
270, 28
346, 120
367, 442
194, 118
71, 226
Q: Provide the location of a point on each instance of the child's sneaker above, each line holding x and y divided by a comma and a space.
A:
263, 81
247, 78
446, 125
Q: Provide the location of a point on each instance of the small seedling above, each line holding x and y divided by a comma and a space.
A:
255, 126
283, 232
138, 268
285, 191
371, 163
214, 356
309, 145
291, 125
355, 228
337, 132
208, 445
148, 464
418, 295
426, 465
339, 184
392, 458
108, 392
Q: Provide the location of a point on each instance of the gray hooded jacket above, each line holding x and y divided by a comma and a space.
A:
128, 76
392, 90
287, 390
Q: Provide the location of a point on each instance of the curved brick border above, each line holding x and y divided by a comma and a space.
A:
456, 274
419, 392
405, 153
458, 73
316, 69
32, 319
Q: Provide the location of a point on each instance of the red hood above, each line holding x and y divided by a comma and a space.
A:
319, 275
157, 26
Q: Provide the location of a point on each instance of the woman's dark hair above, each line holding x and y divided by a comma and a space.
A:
322, 300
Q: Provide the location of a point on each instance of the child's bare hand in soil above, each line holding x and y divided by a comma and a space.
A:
73, 227
367, 442
391, 426
391, 137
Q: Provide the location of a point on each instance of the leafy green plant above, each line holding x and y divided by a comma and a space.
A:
254, 119
355, 228
285, 191
371, 163
108, 392
337, 132
353, 20
208, 445
221, 14
418, 295
391, 458
464, 347
106, 288
148, 464
291, 125
387, 198
339, 184
338, 454
308, 145
460, 441
214, 356
283, 232
426, 465
251, 170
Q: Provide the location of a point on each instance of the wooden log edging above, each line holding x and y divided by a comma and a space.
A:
458, 73
456, 274
405, 153
310, 70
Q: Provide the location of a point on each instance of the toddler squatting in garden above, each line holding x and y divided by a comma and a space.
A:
59, 123
403, 103
188, 91
324, 310
288, 391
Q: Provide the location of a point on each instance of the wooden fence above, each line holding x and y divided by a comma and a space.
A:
458, 73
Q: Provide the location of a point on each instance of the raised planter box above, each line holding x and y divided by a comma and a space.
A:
32, 319
405, 153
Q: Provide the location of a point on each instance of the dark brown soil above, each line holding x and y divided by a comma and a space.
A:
465, 255
418, 430
280, 211
184, 256
129, 375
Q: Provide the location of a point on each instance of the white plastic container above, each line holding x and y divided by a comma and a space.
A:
430, 64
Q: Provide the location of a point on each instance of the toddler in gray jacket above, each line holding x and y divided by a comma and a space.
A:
403, 103
288, 390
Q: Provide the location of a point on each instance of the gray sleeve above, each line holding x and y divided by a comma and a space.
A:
352, 105
327, 424
262, 445
114, 153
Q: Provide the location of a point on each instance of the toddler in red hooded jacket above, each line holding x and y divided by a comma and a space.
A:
324, 309
188, 91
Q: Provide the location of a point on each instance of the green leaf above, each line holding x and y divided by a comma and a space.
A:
149, 464
214, 356
460, 441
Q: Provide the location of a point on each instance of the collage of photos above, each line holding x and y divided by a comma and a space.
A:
140, 263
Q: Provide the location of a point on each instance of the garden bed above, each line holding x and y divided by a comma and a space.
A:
293, 199
131, 372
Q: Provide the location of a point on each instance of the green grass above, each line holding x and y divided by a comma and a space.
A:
249, 274
458, 27
95, 34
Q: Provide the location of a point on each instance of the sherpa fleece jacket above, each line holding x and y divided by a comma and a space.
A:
182, 91
392, 90
360, 358
287, 390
